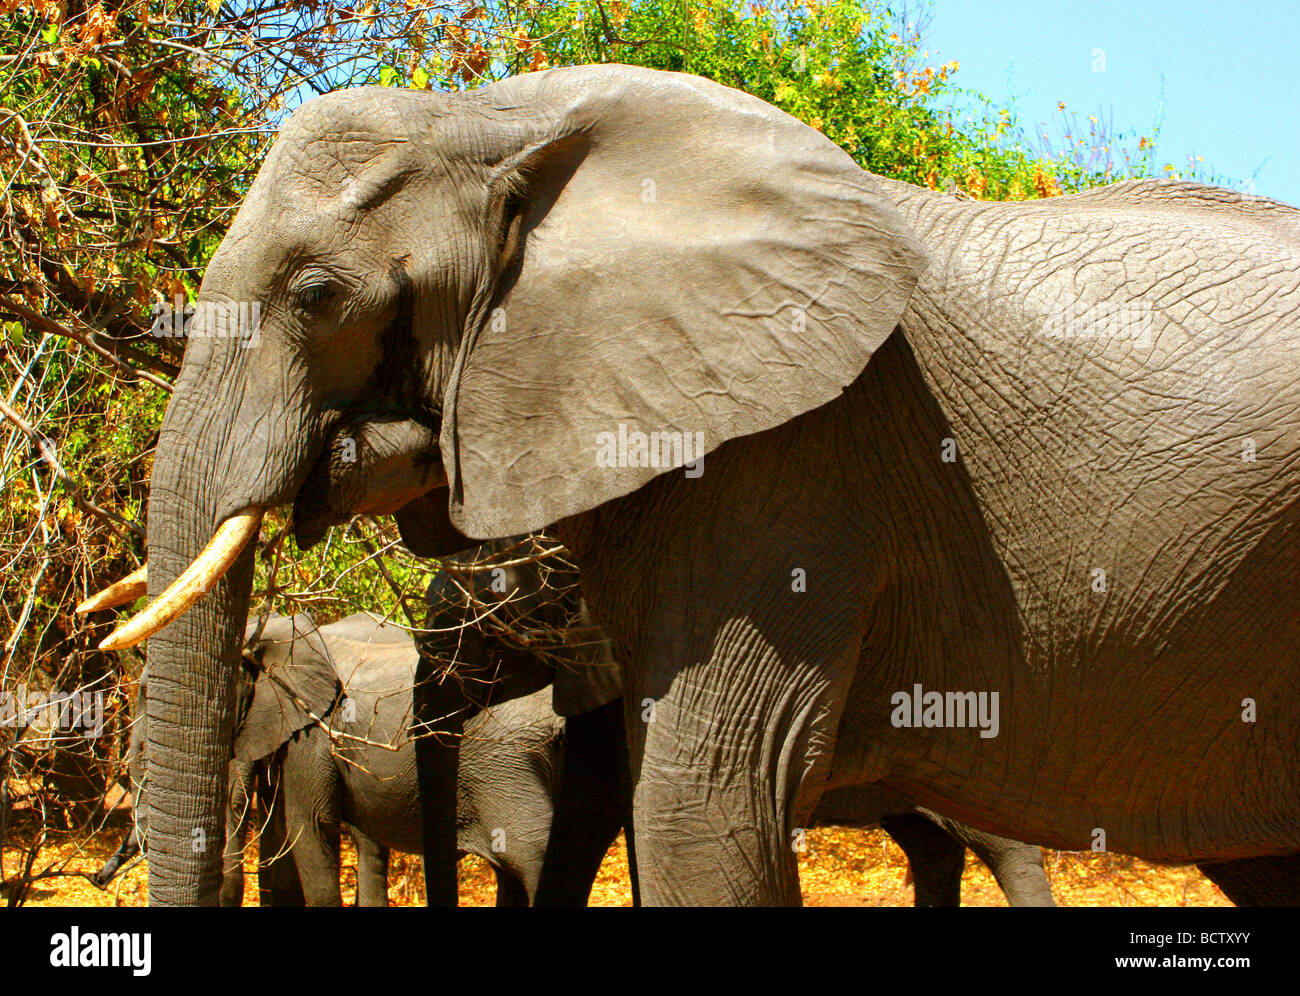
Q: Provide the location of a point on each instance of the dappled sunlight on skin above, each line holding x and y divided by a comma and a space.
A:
843, 867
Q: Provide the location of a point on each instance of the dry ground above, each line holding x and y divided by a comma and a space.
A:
843, 867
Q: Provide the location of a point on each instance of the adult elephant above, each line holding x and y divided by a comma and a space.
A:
933, 463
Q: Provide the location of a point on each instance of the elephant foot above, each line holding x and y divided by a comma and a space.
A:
1271, 881
936, 859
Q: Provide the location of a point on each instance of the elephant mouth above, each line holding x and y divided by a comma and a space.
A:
370, 466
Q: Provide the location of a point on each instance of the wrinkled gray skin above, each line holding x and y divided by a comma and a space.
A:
265, 722
523, 271
544, 594
509, 769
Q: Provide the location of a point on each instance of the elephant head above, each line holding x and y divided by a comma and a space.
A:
532, 273
288, 682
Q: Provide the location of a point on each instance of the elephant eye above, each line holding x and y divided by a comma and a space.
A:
313, 295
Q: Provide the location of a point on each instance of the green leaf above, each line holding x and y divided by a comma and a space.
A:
389, 76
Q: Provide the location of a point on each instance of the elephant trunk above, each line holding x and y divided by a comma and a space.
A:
192, 669
126, 850
219, 452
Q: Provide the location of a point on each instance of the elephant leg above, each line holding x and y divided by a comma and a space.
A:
728, 772
1271, 881
239, 812
315, 851
625, 809
313, 802
587, 814
436, 726
372, 870
510, 890
277, 875
737, 663
936, 857
232, 876
1017, 867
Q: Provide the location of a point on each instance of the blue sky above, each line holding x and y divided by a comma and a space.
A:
1229, 72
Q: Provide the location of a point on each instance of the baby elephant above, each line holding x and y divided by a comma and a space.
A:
358, 770
507, 772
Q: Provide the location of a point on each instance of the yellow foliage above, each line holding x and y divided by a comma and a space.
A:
1045, 183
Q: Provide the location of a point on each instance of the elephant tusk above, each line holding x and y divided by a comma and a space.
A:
128, 589
215, 559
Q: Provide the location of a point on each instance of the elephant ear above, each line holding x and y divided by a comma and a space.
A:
680, 257
293, 670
